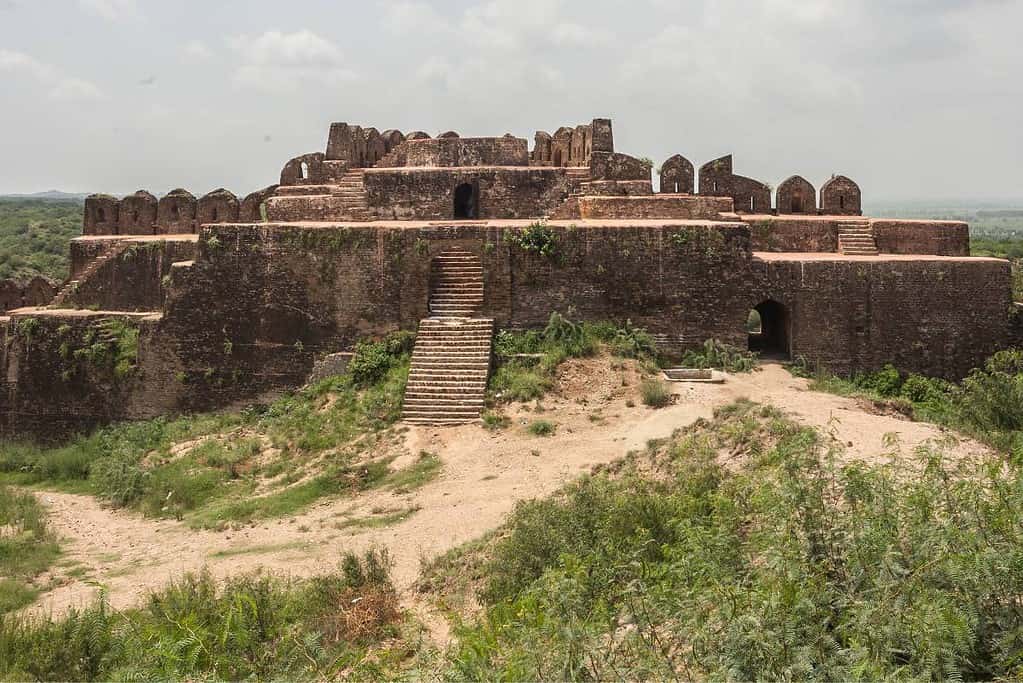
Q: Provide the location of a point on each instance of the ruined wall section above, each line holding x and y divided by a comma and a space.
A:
61, 373
938, 317
34, 291
572, 145
749, 196
135, 279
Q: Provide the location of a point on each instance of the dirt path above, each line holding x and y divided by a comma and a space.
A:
484, 475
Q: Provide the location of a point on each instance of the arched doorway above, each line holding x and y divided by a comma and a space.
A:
768, 330
466, 201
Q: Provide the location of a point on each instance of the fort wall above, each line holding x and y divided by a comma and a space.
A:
133, 279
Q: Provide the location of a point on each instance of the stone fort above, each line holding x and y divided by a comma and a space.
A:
223, 300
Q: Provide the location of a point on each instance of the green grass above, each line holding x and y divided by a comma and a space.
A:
542, 428
424, 470
379, 520
530, 359
791, 563
345, 624
249, 466
27, 547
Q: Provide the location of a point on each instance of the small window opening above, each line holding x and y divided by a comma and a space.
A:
305, 171
175, 211
841, 201
797, 204
101, 215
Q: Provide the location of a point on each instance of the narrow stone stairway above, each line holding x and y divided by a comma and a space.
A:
456, 284
856, 238
451, 358
112, 250
352, 190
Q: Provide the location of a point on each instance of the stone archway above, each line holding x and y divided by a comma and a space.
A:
769, 330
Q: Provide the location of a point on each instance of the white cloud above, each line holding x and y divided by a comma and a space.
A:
412, 16
196, 51
59, 86
282, 61
111, 10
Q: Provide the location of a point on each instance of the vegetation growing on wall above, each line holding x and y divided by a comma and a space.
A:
540, 239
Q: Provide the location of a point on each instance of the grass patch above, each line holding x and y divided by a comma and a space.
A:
718, 355
424, 470
495, 421
384, 518
655, 392
532, 357
345, 624
542, 428
27, 547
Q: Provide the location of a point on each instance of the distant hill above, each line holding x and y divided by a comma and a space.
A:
52, 195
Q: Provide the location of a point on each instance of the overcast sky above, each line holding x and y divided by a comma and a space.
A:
915, 99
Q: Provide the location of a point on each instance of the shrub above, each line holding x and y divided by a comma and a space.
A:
787, 565
255, 626
539, 238
542, 428
495, 421
716, 354
885, 382
655, 393
372, 360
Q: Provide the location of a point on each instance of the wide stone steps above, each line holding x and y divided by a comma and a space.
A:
450, 364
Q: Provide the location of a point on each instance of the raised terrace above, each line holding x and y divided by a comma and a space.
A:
208, 302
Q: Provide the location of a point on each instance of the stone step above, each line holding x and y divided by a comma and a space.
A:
441, 367
441, 401
438, 422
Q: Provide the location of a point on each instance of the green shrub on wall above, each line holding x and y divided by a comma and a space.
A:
539, 238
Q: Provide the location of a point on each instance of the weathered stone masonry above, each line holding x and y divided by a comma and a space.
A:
235, 300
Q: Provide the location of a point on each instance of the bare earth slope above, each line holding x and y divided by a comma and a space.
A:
485, 474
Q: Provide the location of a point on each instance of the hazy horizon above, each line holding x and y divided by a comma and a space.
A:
917, 101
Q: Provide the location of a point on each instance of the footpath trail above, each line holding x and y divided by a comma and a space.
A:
484, 475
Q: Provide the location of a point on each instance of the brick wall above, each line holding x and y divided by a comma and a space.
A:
428, 194
131, 281
945, 238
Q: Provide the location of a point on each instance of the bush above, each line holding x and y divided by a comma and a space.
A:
788, 564
542, 428
886, 382
372, 360
655, 392
716, 354
250, 627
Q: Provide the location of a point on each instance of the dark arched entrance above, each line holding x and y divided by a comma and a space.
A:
768, 328
466, 201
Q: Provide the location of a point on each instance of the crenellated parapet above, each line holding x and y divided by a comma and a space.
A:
177, 212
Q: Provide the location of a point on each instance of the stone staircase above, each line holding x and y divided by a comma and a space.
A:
456, 284
451, 357
352, 190
569, 208
450, 366
111, 251
856, 238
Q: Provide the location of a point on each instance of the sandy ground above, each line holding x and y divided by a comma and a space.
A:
484, 475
